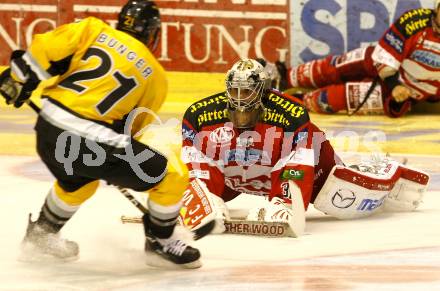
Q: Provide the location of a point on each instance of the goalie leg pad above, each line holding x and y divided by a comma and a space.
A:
349, 194
408, 191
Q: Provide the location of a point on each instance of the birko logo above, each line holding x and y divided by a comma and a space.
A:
222, 135
343, 198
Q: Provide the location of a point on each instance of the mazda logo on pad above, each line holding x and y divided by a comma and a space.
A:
343, 198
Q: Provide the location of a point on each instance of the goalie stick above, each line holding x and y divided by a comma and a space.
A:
241, 226
199, 233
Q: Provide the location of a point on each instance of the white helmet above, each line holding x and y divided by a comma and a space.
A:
246, 84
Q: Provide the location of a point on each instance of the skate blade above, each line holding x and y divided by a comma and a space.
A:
29, 254
157, 261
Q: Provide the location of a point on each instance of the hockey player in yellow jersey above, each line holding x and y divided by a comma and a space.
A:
103, 74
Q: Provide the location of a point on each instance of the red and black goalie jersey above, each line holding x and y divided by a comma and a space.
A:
283, 146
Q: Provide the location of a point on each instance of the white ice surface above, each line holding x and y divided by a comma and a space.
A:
387, 252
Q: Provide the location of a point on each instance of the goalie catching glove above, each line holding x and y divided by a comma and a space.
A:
277, 210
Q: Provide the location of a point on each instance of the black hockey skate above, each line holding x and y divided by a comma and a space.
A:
40, 244
169, 252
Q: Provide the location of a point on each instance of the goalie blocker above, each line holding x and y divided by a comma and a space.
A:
350, 194
275, 218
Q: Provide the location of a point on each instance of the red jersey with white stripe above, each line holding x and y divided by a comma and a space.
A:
283, 146
412, 47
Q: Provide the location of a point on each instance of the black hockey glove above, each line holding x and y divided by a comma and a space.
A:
14, 92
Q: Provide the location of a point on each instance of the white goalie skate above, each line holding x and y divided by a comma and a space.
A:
40, 245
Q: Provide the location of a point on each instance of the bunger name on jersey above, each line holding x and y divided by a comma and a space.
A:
122, 49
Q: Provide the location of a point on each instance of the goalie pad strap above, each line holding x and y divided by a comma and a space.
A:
415, 176
366, 181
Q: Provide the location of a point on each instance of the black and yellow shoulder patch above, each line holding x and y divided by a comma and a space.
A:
413, 21
210, 110
284, 112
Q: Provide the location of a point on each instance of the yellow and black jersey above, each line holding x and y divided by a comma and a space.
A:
103, 73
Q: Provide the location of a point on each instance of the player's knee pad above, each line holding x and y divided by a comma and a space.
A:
78, 196
408, 191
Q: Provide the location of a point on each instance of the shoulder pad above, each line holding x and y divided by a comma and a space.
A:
413, 21
285, 111
209, 110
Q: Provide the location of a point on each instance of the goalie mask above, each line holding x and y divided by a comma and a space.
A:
141, 19
246, 84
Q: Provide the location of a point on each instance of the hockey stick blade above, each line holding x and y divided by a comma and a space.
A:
259, 228
238, 226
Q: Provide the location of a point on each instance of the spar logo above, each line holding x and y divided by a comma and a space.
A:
222, 135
